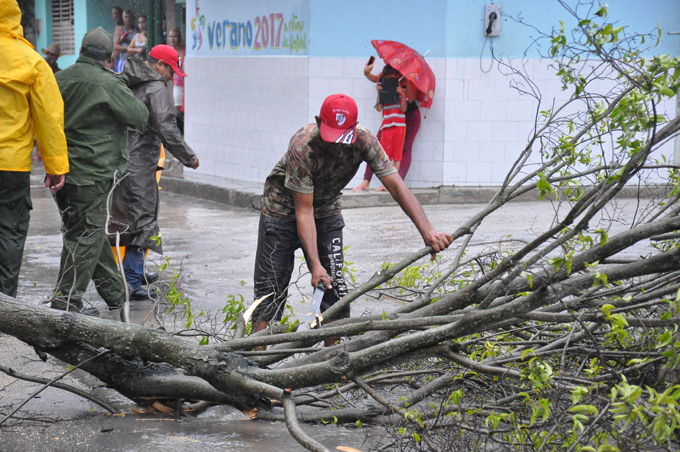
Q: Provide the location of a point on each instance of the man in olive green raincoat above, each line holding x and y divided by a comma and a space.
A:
98, 109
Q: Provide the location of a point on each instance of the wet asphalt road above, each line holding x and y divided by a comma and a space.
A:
214, 247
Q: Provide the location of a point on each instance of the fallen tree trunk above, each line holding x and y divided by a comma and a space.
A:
58, 332
143, 381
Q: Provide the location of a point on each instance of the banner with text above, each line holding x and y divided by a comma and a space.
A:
247, 28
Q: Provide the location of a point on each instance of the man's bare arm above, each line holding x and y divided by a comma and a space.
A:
304, 214
439, 241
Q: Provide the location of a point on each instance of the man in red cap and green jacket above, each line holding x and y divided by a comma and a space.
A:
301, 207
138, 191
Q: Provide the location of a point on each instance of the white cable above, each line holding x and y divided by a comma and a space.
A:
482, 52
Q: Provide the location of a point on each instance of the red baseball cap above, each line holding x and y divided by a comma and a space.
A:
339, 119
169, 56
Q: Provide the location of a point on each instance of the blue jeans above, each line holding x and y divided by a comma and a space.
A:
133, 264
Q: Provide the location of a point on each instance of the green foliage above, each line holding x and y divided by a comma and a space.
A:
544, 187
414, 277
233, 309
348, 271
595, 384
658, 413
539, 373
604, 382
618, 325
177, 300
156, 239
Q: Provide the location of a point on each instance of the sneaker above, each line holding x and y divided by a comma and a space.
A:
150, 278
92, 312
143, 293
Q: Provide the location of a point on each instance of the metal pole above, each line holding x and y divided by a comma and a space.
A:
150, 25
170, 16
158, 19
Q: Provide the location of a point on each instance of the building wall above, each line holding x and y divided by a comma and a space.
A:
43, 35
242, 106
87, 15
243, 112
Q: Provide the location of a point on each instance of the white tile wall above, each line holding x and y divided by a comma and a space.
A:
241, 113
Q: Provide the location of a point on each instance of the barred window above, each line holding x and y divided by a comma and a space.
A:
62, 26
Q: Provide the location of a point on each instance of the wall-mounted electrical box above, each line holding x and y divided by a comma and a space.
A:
492, 20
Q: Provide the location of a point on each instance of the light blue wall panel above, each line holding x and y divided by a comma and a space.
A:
454, 28
465, 25
445, 28
45, 36
345, 28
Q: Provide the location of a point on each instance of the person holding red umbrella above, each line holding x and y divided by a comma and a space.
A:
393, 128
419, 84
412, 126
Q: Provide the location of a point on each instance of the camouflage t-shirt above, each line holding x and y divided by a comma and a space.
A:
311, 167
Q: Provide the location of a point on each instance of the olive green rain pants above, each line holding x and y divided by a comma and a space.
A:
86, 255
15, 206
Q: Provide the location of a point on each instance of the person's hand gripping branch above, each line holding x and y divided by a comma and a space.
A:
439, 241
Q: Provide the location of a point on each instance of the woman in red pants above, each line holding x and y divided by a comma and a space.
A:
412, 128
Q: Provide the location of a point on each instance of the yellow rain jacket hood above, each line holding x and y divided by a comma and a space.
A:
30, 102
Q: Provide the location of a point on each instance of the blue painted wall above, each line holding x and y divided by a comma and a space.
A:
465, 36
345, 28
447, 28
454, 28
44, 37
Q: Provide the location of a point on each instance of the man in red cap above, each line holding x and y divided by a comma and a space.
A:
137, 194
301, 207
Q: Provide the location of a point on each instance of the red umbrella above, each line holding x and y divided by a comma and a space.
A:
411, 65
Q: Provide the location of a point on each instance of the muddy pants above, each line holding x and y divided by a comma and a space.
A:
15, 206
86, 255
277, 241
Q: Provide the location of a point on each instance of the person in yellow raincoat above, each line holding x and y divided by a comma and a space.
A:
30, 105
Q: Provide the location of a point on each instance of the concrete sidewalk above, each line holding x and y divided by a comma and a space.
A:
248, 195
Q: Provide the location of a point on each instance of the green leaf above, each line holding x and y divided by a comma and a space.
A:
665, 339
604, 237
526, 352
543, 186
590, 409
